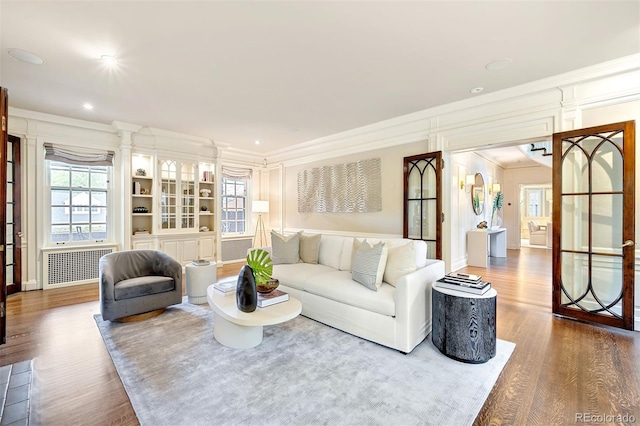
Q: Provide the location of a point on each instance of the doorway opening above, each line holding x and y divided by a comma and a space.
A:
536, 207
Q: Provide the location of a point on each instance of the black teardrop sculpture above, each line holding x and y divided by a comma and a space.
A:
246, 293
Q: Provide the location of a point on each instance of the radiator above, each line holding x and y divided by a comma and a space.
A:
235, 249
63, 268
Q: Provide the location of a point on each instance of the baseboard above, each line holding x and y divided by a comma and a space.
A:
31, 285
636, 318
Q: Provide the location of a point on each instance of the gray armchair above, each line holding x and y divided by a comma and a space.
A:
138, 281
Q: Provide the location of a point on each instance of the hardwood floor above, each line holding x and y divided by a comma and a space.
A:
559, 368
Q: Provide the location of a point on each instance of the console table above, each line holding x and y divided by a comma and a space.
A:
482, 243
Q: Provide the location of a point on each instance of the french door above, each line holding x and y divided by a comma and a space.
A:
423, 201
13, 246
593, 224
4, 116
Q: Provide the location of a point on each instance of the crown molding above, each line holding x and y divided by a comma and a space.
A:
57, 119
423, 123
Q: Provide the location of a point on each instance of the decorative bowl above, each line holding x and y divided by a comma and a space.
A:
268, 287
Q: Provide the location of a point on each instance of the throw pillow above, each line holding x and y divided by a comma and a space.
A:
368, 265
309, 248
285, 249
401, 260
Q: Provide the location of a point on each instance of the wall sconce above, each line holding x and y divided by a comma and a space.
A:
495, 188
468, 182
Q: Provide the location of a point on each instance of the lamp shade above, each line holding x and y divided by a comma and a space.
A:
496, 187
470, 180
260, 206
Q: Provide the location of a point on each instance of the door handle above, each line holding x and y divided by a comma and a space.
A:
19, 234
627, 243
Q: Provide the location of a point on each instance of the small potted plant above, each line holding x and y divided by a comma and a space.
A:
260, 262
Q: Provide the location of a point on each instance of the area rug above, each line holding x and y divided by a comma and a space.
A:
303, 373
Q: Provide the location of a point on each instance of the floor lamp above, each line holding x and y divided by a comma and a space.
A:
260, 207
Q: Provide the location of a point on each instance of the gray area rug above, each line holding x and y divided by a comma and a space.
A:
303, 373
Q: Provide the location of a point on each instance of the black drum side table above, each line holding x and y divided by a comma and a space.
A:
464, 324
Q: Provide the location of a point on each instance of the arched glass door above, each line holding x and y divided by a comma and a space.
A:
423, 202
593, 220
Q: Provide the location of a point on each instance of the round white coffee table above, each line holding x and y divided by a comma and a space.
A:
243, 330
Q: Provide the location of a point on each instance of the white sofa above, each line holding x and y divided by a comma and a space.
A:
398, 317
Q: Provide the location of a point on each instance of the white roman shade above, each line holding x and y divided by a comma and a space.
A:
236, 172
81, 158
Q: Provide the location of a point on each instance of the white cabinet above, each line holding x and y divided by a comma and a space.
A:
207, 248
183, 250
143, 244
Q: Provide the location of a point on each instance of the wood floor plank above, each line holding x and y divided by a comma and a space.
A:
559, 368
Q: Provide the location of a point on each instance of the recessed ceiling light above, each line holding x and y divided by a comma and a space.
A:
498, 64
24, 56
476, 90
87, 106
109, 59
257, 142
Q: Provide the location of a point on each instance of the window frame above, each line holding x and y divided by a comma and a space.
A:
86, 225
224, 211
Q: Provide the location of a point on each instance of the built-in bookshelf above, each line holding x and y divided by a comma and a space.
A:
142, 195
207, 197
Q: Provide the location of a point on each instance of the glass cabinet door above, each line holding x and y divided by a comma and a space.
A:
177, 195
188, 187
168, 194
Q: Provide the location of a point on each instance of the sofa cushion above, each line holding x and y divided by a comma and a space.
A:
401, 260
338, 286
309, 248
330, 251
368, 264
421, 253
285, 249
296, 275
142, 286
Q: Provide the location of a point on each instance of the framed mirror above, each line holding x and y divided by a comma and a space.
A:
477, 195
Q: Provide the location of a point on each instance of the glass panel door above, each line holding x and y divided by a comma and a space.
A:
594, 184
422, 201
168, 196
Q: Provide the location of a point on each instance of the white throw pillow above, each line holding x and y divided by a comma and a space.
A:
368, 264
309, 248
401, 260
421, 253
285, 249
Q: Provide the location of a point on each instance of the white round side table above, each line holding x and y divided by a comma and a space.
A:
198, 279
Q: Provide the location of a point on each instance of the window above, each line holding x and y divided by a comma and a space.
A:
234, 205
79, 202
537, 201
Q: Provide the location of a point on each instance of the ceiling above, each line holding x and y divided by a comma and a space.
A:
511, 157
285, 73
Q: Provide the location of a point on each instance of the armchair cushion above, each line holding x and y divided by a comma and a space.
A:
142, 286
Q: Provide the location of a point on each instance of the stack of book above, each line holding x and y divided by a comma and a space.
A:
201, 262
271, 298
226, 287
464, 282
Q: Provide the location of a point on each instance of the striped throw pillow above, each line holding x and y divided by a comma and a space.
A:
368, 264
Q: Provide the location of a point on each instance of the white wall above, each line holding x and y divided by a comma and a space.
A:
462, 218
387, 221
